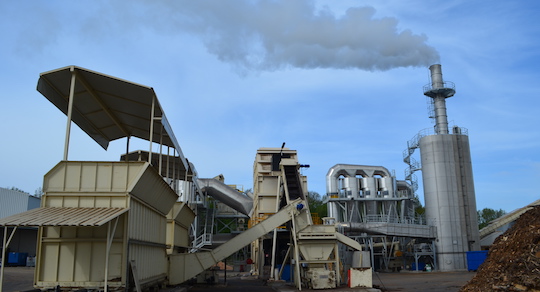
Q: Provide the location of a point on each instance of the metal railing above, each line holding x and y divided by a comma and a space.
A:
445, 85
414, 143
202, 240
394, 219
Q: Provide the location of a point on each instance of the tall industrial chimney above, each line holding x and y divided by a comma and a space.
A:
439, 91
448, 182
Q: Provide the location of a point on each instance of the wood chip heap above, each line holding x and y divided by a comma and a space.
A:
513, 262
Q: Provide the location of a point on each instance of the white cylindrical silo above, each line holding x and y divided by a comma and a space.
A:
449, 197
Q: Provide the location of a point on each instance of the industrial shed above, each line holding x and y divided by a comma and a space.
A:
104, 224
13, 202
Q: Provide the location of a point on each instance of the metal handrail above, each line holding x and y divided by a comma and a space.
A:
446, 84
202, 240
394, 219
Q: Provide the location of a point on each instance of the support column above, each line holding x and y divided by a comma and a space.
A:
5, 244
110, 238
151, 136
298, 280
70, 111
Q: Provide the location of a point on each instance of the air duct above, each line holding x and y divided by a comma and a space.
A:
226, 195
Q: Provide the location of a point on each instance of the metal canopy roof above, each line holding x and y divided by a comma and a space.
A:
63, 216
108, 108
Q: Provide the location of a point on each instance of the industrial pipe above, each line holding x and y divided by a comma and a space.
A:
226, 195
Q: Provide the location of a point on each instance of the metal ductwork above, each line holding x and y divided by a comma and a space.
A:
387, 228
351, 171
356, 227
226, 195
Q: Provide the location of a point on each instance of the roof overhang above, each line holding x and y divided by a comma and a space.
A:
108, 108
63, 216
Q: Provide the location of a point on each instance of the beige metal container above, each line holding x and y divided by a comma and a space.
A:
179, 221
134, 202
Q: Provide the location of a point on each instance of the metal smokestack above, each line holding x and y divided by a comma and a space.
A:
439, 90
436, 76
450, 201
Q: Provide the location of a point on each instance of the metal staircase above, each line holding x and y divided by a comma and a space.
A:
205, 239
413, 164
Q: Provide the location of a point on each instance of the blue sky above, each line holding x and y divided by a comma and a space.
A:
338, 81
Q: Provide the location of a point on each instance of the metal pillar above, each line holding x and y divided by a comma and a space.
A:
4, 246
110, 238
70, 111
151, 135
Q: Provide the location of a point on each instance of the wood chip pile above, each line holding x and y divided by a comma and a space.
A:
513, 261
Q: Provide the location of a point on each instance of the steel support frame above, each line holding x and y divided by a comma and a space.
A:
110, 237
5, 244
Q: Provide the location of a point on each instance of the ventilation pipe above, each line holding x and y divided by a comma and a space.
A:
226, 195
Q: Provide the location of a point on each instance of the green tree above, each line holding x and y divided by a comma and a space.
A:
316, 204
38, 192
487, 215
418, 208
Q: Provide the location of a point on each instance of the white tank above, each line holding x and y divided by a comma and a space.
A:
351, 186
369, 187
386, 186
449, 198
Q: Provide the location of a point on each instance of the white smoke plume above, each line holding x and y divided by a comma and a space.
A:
252, 35
275, 34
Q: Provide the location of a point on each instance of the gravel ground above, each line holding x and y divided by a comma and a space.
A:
18, 279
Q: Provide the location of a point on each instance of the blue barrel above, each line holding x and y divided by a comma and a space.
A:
475, 259
286, 275
17, 258
421, 266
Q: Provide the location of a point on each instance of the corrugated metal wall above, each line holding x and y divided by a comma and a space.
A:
13, 202
147, 237
75, 255
179, 221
